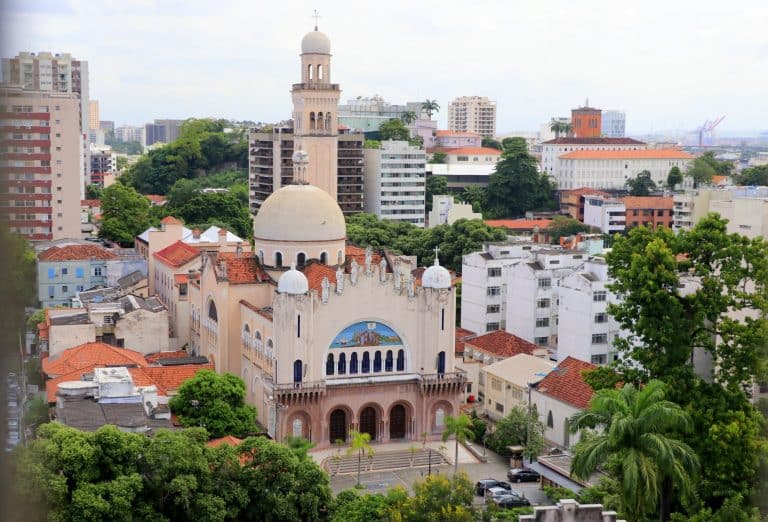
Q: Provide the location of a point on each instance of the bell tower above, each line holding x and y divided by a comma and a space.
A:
315, 112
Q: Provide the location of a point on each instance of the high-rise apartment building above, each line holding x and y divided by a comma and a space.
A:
41, 167
367, 114
614, 124
395, 178
473, 114
163, 131
337, 155
127, 134
93, 114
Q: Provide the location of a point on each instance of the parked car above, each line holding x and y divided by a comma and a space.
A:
483, 485
497, 491
510, 501
522, 475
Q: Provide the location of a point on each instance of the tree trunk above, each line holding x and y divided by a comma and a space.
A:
456, 458
358, 466
665, 499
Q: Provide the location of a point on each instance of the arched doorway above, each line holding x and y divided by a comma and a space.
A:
338, 427
397, 422
368, 422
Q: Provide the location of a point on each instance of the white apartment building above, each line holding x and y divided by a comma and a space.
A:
394, 182
607, 214
473, 114
614, 124
128, 134
552, 150
533, 294
446, 211
586, 331
610, 169
745, 208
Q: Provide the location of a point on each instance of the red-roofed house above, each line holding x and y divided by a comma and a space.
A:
172, 267
559, 396
536, 228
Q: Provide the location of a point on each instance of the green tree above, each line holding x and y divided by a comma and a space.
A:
430, 107
37, 413
121, 163
753, 176
722, 168
564, 226
372, 144
674, 178
440, 499
393, 129
408, 117
438, 158
215, 402
518, 428
492, 144
516, 185
181, 193
361, 444
460, 428
475, 196
701, 171
217, 208
93, 191
299, 446
641, 185
637, 440
124, 214
434, 186
559, 127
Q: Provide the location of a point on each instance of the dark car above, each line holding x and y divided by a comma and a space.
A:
522, 475
510, 501
482, 486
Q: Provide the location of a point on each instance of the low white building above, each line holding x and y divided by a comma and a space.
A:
552, 150
607, 214
446, 211
505, 384
395, 177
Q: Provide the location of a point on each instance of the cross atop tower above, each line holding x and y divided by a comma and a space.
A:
437, 250
316, 16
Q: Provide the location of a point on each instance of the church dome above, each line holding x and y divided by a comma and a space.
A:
299, 213
315, 42
293, 282
436, 276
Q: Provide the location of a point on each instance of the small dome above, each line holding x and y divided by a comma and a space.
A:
436, 276
299, 213
293, 282
315, 42
300, 157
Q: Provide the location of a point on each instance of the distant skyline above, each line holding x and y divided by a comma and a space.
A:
668, 65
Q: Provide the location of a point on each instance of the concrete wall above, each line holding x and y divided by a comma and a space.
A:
64, 337
144, 331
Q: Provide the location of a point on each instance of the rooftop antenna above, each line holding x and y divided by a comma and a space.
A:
437, 259
316, 16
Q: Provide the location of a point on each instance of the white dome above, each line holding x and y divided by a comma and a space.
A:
299, 213
293, 282
315, 42
436, 276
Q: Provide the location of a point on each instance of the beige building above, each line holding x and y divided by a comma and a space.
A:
41, 164
93, 114
172, 268
446, 210
505, 384
473, 114
745, 208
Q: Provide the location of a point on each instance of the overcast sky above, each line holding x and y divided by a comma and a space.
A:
669, 64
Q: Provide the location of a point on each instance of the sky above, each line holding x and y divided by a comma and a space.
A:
668, 64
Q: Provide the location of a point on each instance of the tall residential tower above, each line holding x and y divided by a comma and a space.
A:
473, 114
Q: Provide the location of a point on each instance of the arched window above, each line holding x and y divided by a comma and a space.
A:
377, 362
301, 259
320, 72
550, 420
327, 121
388, 361
439, 418
270, 347
246, 336
401, 360
441, 362
366, 363
298, 369
324, 258
309, 72
353, 363
261, 257
212, 313
340, 258
257, 337
278, 259
297, 427
342, 364
329, 365
311, 121
319, 121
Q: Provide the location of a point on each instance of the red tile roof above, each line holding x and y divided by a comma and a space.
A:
627, 154
261, 311
465, 150
584, 191
455, 133
176, 255
170, 378
644, 202
180, 278
358, 254
157, 200
157, 356
90, 203
243, 268
229, 440
91, 354
76, 253
594, 141
170, 220
502, 343
461, 335
566, 383
315, 272
519, 224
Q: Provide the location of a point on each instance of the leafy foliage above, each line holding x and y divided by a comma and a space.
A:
435, 186
216, 208
753, 176
124, 214
518, 428
641, 185
215, 402
675, 177
18, 262
492, 144
393, 129
438, 158
564, 226
460, 428
430, 107
701, 171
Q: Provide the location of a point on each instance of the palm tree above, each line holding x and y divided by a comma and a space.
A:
430, 106
360, 444
461, 429
634, 438
408, 117
555, 126
566, 128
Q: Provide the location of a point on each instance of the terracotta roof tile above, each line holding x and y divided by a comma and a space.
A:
358, 254
503, 344
465, 150
315, 272
566, 383
157, 200
519, 224
177, 254
243, 268
170, 220
265, 312
461, 335
228, 440
644, 202
76, 253
627, 154
170, 378
155, 357
594, 141
90, 203
89, 355
180, 278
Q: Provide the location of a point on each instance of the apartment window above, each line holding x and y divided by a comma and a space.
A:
492, 309
542, 321
499, 407
51, 292
601, 318
65, 271
65, 289
600, 338
97, 271
495, 384
545, 282
599, 359
491, 327
80, 288
543, 303
79, 272
107, 319
494, 290
494, 272
599, 296
541, 341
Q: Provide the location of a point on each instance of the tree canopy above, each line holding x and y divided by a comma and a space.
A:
394, 129
753, 176
124, 214
675, 177
641, 185
434, 186
564, 226
701, 171
518, 428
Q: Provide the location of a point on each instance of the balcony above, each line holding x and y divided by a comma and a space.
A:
443, 383
315, 86
300, 392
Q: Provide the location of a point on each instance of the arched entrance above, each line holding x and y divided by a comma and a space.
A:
397, 422
368, 422
338, 427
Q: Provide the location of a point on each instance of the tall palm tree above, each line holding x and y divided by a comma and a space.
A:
360, 444
635, 438
430, 107
566, 128
461, 429
555, 126
408, 117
